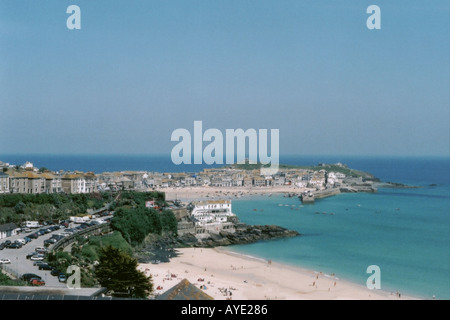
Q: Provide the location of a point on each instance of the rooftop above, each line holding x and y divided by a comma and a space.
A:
184, 290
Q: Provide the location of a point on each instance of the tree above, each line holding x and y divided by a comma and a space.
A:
136, 223
117, 272
20, 207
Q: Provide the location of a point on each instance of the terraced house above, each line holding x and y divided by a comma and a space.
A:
36, 183
18, 182
53, 183
73, 183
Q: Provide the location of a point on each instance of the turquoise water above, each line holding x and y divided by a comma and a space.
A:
406, 232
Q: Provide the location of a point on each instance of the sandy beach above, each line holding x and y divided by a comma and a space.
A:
227, 275
188, 194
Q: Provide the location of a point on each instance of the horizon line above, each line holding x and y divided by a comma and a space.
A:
31, 154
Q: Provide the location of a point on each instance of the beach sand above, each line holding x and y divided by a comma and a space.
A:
219, 272
188, 194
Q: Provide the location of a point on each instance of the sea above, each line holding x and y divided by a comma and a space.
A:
405, 232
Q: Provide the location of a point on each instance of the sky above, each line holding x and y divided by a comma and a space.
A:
138, 70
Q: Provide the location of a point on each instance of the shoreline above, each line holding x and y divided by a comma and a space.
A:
252, 278
188, 194
201, 193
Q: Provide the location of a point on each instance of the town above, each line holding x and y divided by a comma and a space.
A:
26, 178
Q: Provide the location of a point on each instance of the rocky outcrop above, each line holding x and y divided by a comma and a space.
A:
244, 234
161, 248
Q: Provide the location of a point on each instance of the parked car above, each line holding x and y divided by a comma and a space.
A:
37, 282
21, 241
38, 263
15, 245
7, 243
62, 277
28, 276
34, 235
84, 225
50, 241
5, 261
37, 257
55, 272
45, 266
2, 246
27, 239
57, 237
31, 254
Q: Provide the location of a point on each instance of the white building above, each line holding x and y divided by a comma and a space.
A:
27, 166
335, 177
212, 211
73, 183
8, 230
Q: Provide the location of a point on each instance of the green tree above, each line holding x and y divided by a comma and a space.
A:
20, 207
136, 223
117, 271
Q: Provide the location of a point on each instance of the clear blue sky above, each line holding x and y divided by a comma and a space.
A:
137, 70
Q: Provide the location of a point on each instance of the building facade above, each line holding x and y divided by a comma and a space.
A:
4, 183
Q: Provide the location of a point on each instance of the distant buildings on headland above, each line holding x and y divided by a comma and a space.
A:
28, 179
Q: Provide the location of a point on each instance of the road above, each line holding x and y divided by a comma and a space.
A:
20, 264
